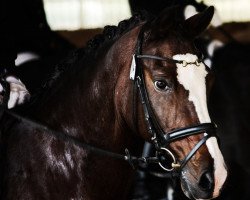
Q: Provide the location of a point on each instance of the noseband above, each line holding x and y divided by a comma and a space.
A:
159, 138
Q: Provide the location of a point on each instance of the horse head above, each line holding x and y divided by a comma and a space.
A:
173, 84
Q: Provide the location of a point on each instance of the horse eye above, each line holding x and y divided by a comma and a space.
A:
161, 85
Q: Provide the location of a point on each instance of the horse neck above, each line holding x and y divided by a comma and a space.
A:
84, 99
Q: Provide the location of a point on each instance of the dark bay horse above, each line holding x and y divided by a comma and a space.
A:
101, 99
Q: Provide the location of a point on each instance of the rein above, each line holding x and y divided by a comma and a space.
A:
140, 163
134, 161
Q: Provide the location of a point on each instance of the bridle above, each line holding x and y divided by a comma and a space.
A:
159, 138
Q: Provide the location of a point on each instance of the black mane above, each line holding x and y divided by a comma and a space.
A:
113, 32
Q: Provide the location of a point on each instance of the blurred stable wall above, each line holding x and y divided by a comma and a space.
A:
239, 31
79, 37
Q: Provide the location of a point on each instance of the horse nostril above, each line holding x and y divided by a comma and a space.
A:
206, 181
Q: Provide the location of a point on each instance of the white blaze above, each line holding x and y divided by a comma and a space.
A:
193, 79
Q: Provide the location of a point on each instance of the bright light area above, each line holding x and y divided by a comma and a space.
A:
231, 10
85, 14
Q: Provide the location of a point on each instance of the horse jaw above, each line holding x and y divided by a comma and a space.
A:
193, 79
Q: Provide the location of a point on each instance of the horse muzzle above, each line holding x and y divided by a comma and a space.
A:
200, 186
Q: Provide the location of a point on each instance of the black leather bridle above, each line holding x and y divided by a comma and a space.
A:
159, 138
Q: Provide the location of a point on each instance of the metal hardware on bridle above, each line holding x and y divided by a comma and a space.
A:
159, 138
183, 62
174, 164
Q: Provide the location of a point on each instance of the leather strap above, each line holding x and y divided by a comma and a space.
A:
134, 161
209, 128
193, 151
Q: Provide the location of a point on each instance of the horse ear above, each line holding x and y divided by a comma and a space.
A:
196, 24
165, 19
